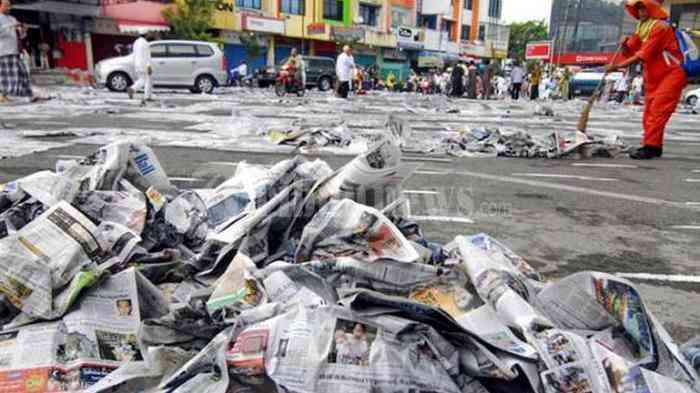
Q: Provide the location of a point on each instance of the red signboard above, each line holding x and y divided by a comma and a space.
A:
316, 28
539, 50
583, 58
404, 3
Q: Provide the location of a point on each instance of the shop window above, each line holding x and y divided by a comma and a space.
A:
295, 7
468, 5
369, 14
482, 33
254, 4
333, 9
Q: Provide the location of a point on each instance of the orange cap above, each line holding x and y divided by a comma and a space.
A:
654, 8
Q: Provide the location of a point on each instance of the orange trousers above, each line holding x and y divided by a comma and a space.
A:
659, 107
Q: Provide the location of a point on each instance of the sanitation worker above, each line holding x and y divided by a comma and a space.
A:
654, 43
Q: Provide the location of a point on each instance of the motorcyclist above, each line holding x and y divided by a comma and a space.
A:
297, 66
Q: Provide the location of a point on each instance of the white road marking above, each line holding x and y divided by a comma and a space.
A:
428, 159
661, 277
692, 180
223, 163
68, 157
420, 192
441, 173
460, 220
556, 176
696, 170
686, 227
184, 179
605, 165
693, 203
581, 190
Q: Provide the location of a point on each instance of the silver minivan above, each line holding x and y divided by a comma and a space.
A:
196, 65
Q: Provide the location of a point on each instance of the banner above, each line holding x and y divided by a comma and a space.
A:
539, 50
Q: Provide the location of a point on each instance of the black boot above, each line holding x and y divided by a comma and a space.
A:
647, 153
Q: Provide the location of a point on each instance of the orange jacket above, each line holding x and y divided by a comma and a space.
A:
661, 72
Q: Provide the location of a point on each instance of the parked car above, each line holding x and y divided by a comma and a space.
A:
586, 80
691, 97
196, 65
320, 72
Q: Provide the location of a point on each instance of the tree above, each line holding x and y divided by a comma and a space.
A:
251, 44
191, 19
522, 33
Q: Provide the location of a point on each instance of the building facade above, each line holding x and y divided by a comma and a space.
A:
587, 32
685, 14
394, 35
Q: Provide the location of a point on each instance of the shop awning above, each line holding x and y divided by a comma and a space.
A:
59, 7
141, 28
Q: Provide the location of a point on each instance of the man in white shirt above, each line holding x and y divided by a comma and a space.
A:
143, 67
517, 75
621, 88
344, 70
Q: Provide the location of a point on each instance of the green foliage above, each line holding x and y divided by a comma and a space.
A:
251, 44
191, 20
522, 33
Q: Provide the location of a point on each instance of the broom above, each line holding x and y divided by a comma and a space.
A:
583, 120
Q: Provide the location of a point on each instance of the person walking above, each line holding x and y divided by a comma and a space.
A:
535, 79
654, 43
517, 74
14, 78
344, 69
637, 90
457, 79
143, 67
621, 87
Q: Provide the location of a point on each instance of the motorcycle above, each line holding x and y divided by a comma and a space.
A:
287, 83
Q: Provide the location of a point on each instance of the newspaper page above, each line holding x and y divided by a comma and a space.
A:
371, 178
145, 170
237, 286
476, 355
568, 362
81, 348
48, 187
327, 349
595, 301
121, 207
505, 290
347, 228
613, 307
471, 313
619, 375
44, 256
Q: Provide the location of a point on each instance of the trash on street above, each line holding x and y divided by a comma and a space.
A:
300, 278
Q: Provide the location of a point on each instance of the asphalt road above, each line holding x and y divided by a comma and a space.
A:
563, 216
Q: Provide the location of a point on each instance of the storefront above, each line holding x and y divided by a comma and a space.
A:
430, 59
63, 27
394, 61
270, 30
365, 57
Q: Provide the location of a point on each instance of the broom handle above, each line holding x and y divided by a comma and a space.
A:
598, 89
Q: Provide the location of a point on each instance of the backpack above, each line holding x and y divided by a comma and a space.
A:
691, 54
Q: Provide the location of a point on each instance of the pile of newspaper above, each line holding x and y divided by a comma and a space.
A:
493, 142
294, 278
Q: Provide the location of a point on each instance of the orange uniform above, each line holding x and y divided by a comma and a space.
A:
664, 77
